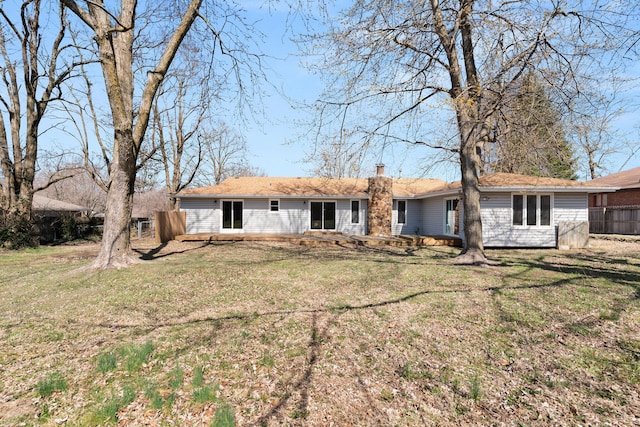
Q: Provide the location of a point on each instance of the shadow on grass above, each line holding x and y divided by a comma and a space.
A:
295, 396
592, 266
155, 252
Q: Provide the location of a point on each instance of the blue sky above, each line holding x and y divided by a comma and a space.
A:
277, 146
277, 143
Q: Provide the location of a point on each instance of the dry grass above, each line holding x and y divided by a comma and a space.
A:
268, 334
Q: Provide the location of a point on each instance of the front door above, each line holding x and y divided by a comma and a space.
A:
451, 217
323, 215
231, 215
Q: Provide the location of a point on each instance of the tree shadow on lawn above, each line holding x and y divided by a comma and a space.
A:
588, 265
295, 396
154, 253
344, 252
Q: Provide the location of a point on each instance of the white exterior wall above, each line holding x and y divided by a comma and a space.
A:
293, 216
432, 216
343, 217
498, 230
258, 218
413, 224
570, 207
203, 215
434, 211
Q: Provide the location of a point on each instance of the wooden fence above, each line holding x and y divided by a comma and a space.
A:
614, 220
169, 225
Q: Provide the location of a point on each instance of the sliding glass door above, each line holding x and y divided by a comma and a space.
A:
323, 215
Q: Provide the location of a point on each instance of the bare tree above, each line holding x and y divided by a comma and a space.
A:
115, 29
589, 125
224, 155
177, 118
78, 188
338, 157
135, 51
392, 63
31, 80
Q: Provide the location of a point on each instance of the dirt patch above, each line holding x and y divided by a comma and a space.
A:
17, 409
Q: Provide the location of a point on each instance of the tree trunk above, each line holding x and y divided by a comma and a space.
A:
115, 250
473, 249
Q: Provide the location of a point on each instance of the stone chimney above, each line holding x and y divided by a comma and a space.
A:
380, 207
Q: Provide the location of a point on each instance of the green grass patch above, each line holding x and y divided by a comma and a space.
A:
107, 410
224, 416
52, 383
135, 355
107, 362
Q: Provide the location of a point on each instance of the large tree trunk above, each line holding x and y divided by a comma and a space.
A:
115, 250
473, 249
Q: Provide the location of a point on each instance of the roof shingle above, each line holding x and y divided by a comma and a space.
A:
310, 187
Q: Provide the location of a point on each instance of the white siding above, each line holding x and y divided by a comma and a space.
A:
498, 230
293, 216
433, 216
203, 215
258, 217
413, 224
570, 207
343, 217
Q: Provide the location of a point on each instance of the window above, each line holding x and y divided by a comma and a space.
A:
545, 210
231, 214
274, 205
402, 211
355, 212
531, 210
517, 209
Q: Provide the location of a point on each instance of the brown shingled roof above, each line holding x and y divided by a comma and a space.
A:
45, 204
310, 187
507, 180
625, 179
515, 180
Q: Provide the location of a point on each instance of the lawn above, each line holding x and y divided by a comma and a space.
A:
278, 334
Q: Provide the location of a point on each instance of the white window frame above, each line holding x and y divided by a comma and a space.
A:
406, 205
538, 197
455, 218
351, 211
271, 205
232, 229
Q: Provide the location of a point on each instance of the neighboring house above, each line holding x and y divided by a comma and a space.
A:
617, 212
45, 207
517, 211
627, 194
51, 215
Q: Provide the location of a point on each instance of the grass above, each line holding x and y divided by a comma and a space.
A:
52, 383
270, 334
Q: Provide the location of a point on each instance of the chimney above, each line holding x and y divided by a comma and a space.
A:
380, 206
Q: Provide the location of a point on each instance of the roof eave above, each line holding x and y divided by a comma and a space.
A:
269, 196
547, 189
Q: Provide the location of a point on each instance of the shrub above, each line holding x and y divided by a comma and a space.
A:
68, 228
17, 232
